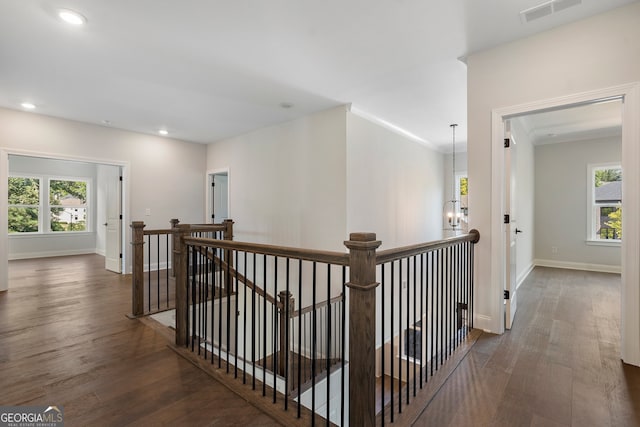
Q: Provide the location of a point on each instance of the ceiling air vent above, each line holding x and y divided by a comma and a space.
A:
559, 5
545, 9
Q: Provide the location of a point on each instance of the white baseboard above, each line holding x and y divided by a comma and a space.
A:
101, 252
524, 275
483, 322
578, 266
48, 254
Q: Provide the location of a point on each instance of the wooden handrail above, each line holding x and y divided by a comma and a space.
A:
311, 308
406, 251
326, 257
234, 274
158, 231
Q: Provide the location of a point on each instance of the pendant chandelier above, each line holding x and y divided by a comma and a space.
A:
451, 211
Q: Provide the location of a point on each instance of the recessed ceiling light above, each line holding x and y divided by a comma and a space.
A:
163, 132
286, 105
28, 105
71, 17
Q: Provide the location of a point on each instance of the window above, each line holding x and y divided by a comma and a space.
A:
24, 204
31, 211
68, 205
605, 202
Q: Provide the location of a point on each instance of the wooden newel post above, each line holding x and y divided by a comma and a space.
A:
362, 328
137, 276
287, 306
227, 234
180, 255
174, 224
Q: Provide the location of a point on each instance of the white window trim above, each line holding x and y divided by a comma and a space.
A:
44, 219
591, 206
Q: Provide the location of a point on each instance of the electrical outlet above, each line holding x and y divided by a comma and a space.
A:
147, 212
554, 249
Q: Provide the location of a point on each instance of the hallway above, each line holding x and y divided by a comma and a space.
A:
559, 365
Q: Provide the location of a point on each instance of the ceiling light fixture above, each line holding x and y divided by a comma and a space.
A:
72, 17
453, 214
28, 105
286, 105
163, 132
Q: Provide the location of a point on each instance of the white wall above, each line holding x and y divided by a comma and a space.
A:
287, 183
39, 245
394, 185
561, 202
590, 55
162, 174
525, 201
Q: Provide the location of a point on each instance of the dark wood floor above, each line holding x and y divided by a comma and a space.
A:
65, 340
559, 365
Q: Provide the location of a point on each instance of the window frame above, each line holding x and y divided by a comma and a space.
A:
45, 206
593, 218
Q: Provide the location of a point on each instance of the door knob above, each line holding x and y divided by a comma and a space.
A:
518, 231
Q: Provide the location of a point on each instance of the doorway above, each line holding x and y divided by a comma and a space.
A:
104, 204
630, 94
218, 196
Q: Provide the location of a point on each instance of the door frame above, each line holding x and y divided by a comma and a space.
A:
4, 175
630, 289
207, 191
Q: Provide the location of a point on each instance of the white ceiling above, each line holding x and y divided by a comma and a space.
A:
593, 120
210, 69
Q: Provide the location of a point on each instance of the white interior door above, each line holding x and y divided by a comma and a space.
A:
219, 197
511, 230
113, 260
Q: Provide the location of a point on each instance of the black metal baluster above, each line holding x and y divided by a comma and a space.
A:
314, 346
148, 272
393, 331
287, 315
264, 325
423, 319
471, 286
244, 324
400, 331
342, 338
227, 285
440, 303
299, 335
253, 323
193, 297
215, 278
382, 340
235, 316
158, 269
167, 269
204, 258
275, 332
328, 338
415, 284
408, 319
